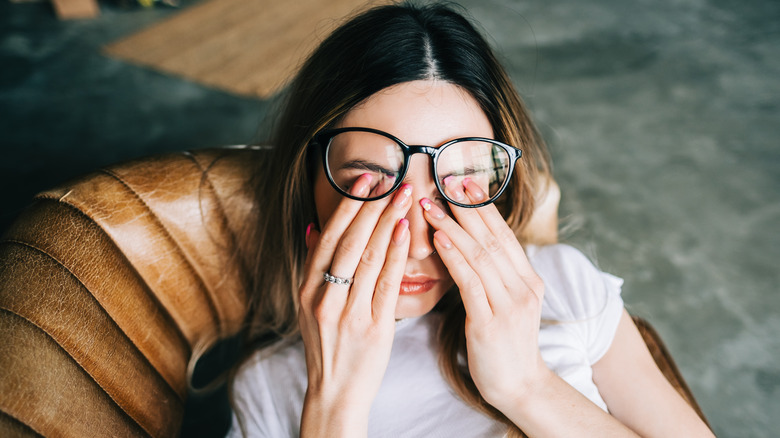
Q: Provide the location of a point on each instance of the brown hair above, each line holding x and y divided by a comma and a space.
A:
383, 46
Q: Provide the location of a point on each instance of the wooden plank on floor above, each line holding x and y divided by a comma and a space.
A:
74, 9
247, 47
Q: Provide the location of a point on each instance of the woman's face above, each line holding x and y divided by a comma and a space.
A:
419, 113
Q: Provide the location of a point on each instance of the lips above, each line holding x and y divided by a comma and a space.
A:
417, 285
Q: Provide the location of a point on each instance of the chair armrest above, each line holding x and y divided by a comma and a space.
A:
110, 287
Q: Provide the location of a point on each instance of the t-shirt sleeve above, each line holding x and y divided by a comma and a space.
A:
602, 329
253, 406
577, 293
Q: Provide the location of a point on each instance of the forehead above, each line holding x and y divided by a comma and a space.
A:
422, 112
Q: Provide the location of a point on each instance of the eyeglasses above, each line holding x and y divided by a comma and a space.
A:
348, 153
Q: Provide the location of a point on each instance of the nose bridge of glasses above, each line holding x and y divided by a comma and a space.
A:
430, 151
422, 149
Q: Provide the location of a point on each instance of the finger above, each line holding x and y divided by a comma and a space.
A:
388, 284
477, 257
373, 259
469, 284
332, 231
355, 238
341, 261
472, 220
504, 235
384, 185
314, 293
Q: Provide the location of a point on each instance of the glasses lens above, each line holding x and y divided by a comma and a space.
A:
485, 163
354, 153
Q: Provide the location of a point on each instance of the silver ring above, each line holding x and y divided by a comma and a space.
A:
337, 280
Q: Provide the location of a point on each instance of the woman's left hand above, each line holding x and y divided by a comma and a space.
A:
501, 292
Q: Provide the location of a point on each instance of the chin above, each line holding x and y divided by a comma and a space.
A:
412, 306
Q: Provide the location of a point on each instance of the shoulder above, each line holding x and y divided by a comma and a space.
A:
560, 261
575, 289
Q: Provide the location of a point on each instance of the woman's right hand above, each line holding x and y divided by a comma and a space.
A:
348, 330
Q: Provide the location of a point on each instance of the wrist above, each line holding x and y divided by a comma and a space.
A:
523, 392
333, 415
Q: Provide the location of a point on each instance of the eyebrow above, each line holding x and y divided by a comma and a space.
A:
366, 165
470, 170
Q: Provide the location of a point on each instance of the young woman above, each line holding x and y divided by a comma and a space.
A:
390, 260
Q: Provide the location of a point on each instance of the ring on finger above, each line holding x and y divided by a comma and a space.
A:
337, 280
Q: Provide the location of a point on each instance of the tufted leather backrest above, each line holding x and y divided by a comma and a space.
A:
109, 284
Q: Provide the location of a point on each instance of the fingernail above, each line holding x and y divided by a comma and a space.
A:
401, 231
403, 195
443, 240
362, 185
432, 209
308, 232
453, 190
476, 193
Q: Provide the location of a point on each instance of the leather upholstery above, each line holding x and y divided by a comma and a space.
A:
111, 284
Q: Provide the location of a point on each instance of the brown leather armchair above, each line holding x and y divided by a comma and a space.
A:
111, 284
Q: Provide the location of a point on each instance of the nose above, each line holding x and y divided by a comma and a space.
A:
420, 177
420, 232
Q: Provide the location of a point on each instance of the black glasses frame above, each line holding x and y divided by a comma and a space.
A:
323, 140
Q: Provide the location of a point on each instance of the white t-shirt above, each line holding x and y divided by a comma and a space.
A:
414, 399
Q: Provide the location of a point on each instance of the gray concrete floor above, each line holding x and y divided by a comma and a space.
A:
662, 118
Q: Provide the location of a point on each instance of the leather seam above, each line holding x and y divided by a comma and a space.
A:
196, 274
28, 426
80, 365
206, 181
61, 201
108, 315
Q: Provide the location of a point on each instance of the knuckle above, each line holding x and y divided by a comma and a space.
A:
491, 244
385, 284
350, 245
323, 314
508, 236
372, 256
528, 299
473, 283
328, 240
536, 284
482, 257
373, 331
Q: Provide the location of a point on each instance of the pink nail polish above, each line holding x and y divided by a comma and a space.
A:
402, 195
401, 231
308, 230
365, 188
433, 210
476, 192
